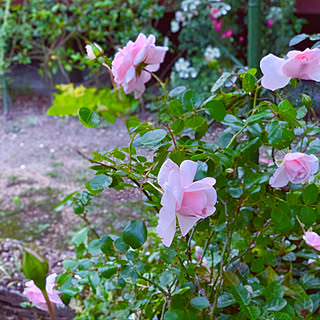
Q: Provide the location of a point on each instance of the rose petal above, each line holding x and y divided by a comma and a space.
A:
165, 169
279, 178
273, 76
166, 228
188, 171
186, 223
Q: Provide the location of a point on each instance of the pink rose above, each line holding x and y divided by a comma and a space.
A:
227, 34
296, 167
187, 200
217, 23
277, 72
35, 295
132, 65
312, 239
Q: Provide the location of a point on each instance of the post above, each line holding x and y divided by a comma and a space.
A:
254, 33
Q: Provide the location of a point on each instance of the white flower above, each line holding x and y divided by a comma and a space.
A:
182, 66
212, 53
190, 5
174, 26
220, 9
179, 16
275, 13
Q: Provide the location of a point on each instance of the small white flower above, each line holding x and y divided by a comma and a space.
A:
174, 26
212, 53
179, 16
275, 13
220, 9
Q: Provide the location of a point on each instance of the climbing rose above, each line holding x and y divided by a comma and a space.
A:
187, 200
312, 239
277, 72
296, 168
35, 295
132, 65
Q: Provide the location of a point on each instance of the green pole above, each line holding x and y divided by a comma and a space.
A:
254, 33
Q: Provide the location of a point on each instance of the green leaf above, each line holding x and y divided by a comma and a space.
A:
81, 237
175, 108
108, 116
248, 83
315, 37
177, 91
225, 300
70, 264
310, 194
275, 304
286, 107
120, 245
94, 280
314, 146
241, 295
106, 245
153, 137
297, 39
306, 100
199, 302
201, 131
133, 122
303, 303
177, 126
252, 312
308, 216
191, 100
108, 271
194, 121
220, 82
236, 192
89, 118
280, 134
100, 182
216, 110
282, 221
135, 234
35, 267
166, 278
261, 115
301, 112
94, 247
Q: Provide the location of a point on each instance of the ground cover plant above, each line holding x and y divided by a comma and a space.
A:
246, 205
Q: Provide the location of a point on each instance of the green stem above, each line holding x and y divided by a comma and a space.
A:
154, 284
236, 135
50, 307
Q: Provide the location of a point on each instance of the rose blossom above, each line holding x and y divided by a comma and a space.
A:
35, 295
312, 239
132, 65
277, 72
187, 200
296, 167
270, 22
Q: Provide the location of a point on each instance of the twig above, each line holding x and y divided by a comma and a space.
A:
171, 134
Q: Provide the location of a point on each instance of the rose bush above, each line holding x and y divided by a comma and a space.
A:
240, 253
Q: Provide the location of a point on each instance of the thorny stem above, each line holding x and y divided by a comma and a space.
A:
301, 225
172, 136
115, 87
85, 219
151, 184
113, 168
206, 246
49, 304
154, 284
236, 135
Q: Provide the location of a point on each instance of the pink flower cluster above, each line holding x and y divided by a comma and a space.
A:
35, 295
183, 199
217, 23
296, 167
132, 65
277, 72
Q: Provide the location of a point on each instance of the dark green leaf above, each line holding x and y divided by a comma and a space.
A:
191, 100
100, 182
216, 110
248, 83
135, 234
153, 137
89, 118
194, 121
199, 302
310, 194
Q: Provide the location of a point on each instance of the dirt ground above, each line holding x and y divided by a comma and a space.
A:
40, 165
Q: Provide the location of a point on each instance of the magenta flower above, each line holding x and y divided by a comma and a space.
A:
187, 200
270, 22
312, 239
132, 65
217, 23
277, 72
227, 34
35, 295
296, 167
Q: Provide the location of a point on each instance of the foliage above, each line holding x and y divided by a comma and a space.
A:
246, 261
104, 101
225, 31
54, 33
